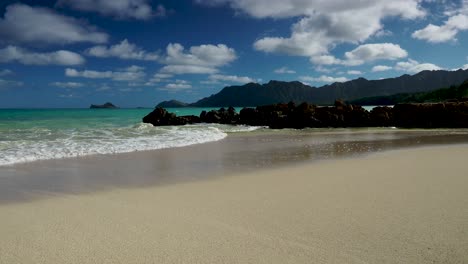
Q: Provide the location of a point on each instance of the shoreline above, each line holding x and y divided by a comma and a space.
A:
238, 153
399, 206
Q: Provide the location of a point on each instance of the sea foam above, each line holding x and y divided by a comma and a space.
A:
26, 145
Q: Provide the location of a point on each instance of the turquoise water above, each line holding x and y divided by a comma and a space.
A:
38, 134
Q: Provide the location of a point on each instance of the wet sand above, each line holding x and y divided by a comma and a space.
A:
238, 153
403, 206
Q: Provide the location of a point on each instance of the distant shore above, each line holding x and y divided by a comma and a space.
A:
403, 206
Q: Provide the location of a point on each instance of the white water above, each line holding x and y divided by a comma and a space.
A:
27, 145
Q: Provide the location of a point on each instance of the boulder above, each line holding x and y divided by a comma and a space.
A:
160, 117
432, 115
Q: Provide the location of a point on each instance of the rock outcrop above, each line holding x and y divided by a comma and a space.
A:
435, 115
160, 117
431, 115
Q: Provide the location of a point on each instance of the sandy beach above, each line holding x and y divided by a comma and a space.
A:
401, 206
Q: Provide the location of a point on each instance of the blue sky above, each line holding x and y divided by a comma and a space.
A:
71, 53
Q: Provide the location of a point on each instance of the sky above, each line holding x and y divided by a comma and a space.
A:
137, 53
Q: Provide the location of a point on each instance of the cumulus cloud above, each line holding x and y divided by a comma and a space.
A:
294, 8
372, 52
37, 25
203, 59
284, 70
203, 55
323, 24
132, 73
322, 79
230, 78
413, 66
123, 50
363, 54
24, 56
457, 21
67, 84
126, 9
381, 68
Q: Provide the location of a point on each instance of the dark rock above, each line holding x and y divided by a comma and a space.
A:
435, 115
432, 115
221, 116
381, 116
160, 117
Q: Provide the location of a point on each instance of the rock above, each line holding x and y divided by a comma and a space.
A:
436, 115
221, 116
381, 116
103, 106
432, 115
160, 117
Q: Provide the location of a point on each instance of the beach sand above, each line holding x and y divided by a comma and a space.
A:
403, 206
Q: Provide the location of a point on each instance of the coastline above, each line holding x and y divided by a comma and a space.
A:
238, 153
400, 206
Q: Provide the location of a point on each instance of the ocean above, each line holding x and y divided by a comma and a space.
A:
28, 135
39, 134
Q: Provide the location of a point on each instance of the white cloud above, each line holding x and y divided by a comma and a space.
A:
457, 21
323, 79
381, 68
5, 72
177, 85
372, 52
157, 78
67, 84
354, 72
188, 69
363, 54
37, 25
231, 78
203, 59
203, 55
296, 8
123, 50
24, 56
413, 66
284, 70
132, 73
324, 24
436, 34
135, 9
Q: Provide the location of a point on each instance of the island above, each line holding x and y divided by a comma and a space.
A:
107, 105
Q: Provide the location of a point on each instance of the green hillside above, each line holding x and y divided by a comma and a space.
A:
444, 94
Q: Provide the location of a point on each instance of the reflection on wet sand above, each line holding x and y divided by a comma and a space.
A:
237, 153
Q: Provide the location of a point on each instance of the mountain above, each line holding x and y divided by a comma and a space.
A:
452, 93
104, 106
172, 103
253, 94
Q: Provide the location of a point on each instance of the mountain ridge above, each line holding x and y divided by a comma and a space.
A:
254, 94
